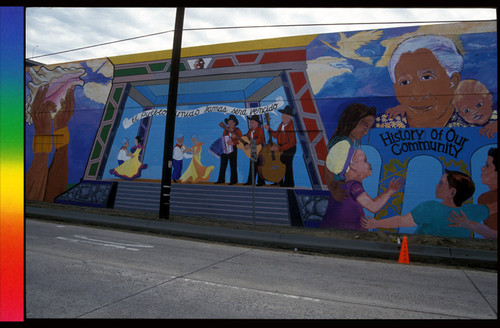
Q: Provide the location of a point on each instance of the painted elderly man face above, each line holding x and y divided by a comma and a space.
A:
423, 87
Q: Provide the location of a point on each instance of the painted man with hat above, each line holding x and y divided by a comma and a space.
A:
179, 153
286, 143
234, 133
255, 132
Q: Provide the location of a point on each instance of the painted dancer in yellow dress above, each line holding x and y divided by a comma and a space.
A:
196, 172
131, 168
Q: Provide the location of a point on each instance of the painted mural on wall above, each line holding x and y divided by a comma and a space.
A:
430, 119
63, 108
391, 129
214, 142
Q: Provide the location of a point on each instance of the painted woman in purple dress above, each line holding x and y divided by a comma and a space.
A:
345, 169
347, 214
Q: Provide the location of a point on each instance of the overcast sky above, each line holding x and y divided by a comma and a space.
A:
51, 30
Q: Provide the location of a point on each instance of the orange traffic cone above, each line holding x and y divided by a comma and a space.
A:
403, 255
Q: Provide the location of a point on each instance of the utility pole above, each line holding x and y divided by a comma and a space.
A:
171, 109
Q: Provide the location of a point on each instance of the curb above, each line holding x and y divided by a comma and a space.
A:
359, 248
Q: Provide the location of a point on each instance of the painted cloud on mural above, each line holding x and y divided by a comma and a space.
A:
59, 80
92, 75
323, 68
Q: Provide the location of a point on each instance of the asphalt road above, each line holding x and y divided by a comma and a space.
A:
87, 272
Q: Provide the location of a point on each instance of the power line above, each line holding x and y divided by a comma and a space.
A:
248, 27
103, 44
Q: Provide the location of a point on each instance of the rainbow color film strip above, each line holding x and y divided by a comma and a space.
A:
11, 164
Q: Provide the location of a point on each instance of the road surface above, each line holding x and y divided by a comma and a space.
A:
87, 272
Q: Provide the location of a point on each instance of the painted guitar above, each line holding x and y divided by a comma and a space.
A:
271, 168
243, 141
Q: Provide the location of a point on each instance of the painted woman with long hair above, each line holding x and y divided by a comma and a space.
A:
345, 169
354, 123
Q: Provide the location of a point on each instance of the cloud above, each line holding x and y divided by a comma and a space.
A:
50, 30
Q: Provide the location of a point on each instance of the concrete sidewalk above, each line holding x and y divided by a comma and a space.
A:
360, 248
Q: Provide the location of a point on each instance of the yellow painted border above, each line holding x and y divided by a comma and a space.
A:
276, 43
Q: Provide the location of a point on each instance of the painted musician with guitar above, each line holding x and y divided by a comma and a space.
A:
256, 133
232, 139
286, 144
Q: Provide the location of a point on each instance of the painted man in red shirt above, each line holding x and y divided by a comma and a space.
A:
286, 144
